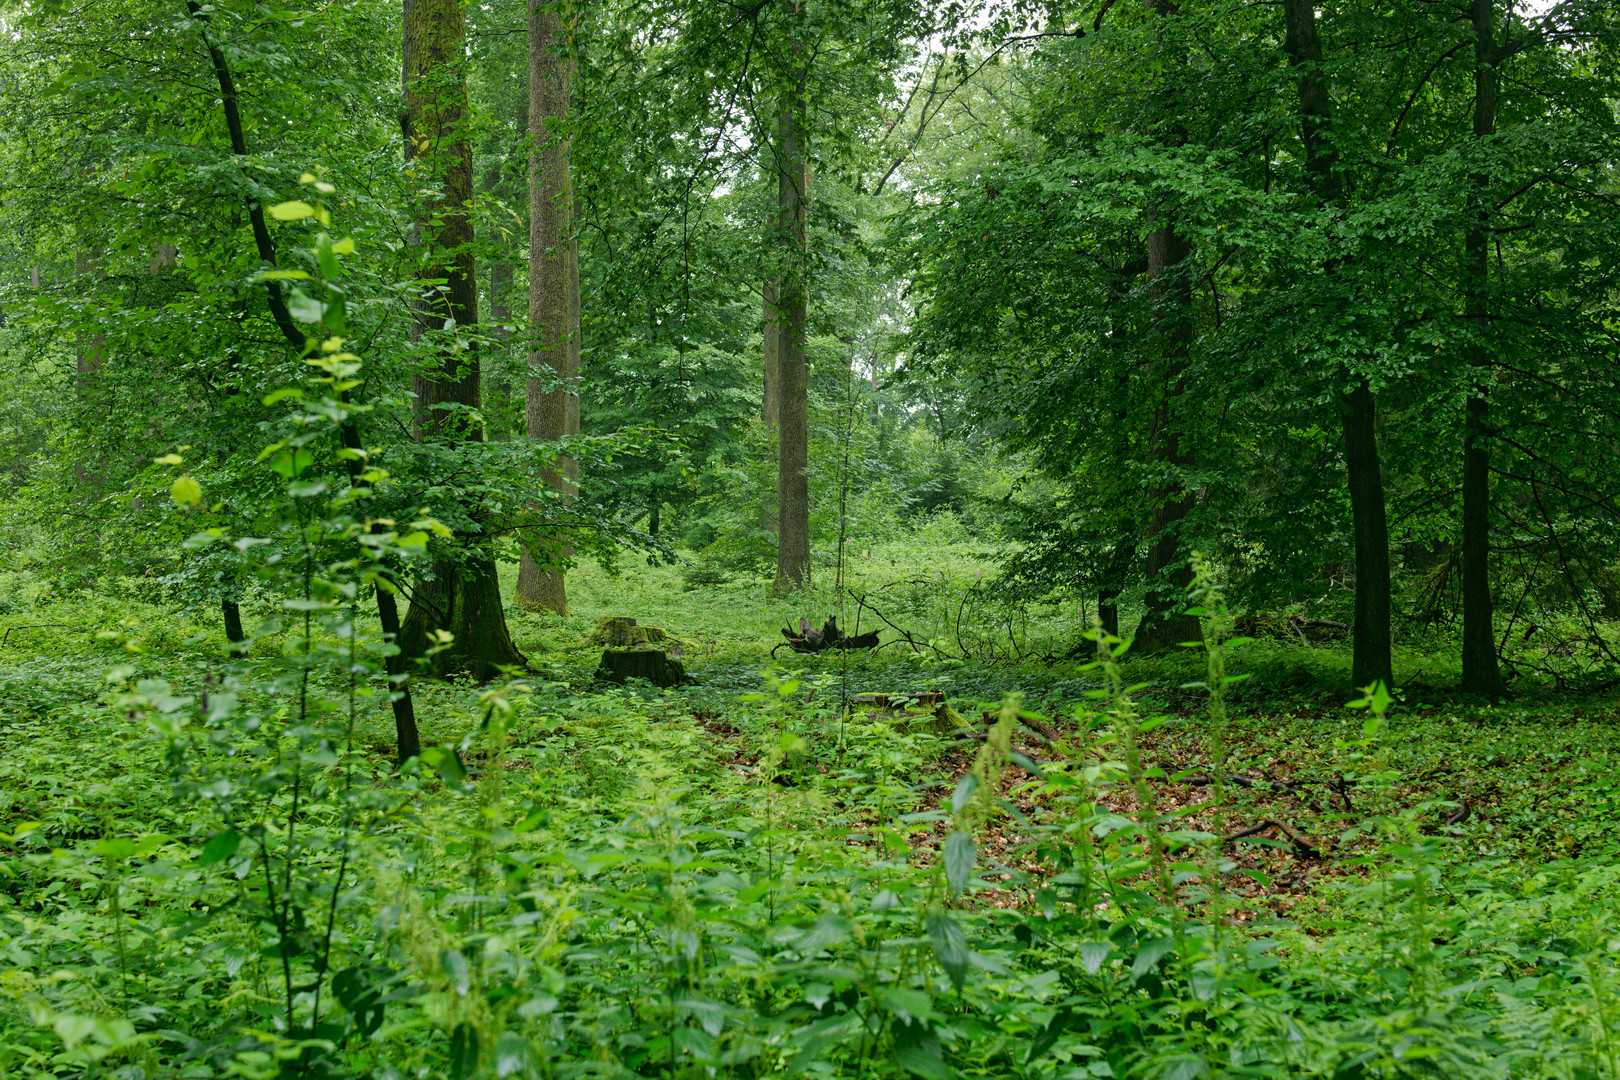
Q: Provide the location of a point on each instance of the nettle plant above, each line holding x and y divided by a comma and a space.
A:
269, 752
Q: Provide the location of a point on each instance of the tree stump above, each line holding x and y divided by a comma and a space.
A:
654, 665
621, 632
926, 709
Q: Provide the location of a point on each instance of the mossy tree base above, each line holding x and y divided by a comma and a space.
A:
465, 599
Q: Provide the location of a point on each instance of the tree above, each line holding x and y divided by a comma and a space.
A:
1370, 628
791, 161
1480, 674
462, 596
552, 394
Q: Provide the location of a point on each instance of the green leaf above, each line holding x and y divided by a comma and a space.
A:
1027, 763
186, 491
513, 1054
924, 1061
220, 847
290, 464
282, 394
1149, 955
463, 1051
304, 307
447, 762
360, 999
73, 1030
292, 211
1184, 1067
1093, 953
456, 970
963, 794
325, 258
960, 855
710, 1015
950, 947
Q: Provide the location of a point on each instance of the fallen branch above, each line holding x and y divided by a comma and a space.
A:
1302, 846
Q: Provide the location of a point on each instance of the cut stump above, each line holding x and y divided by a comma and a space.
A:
654, 665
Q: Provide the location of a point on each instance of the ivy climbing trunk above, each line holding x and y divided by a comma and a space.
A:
551, 399
793, 375
1480, 674
462, 596
1370, 633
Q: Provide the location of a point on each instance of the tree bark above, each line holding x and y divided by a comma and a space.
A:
769, 407
551, 398
1358, 408
1370, 633
793, 375
1480, 674
462, 596
1112, 582
232, 615
1168, 572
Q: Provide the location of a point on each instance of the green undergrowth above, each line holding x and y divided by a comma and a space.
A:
214, 869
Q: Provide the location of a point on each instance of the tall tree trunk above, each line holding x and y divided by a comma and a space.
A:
1370, 635
1480, 674
552, 409
1168, 572
463, 596
793, 375
769, 405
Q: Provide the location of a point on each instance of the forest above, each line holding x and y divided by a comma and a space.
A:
842, 539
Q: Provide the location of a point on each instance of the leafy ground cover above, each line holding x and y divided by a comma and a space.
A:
213, 868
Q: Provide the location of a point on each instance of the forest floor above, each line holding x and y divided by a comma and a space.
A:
759, 802
1539, 776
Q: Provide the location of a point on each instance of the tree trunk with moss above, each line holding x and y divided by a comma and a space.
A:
462, 596
551, 399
